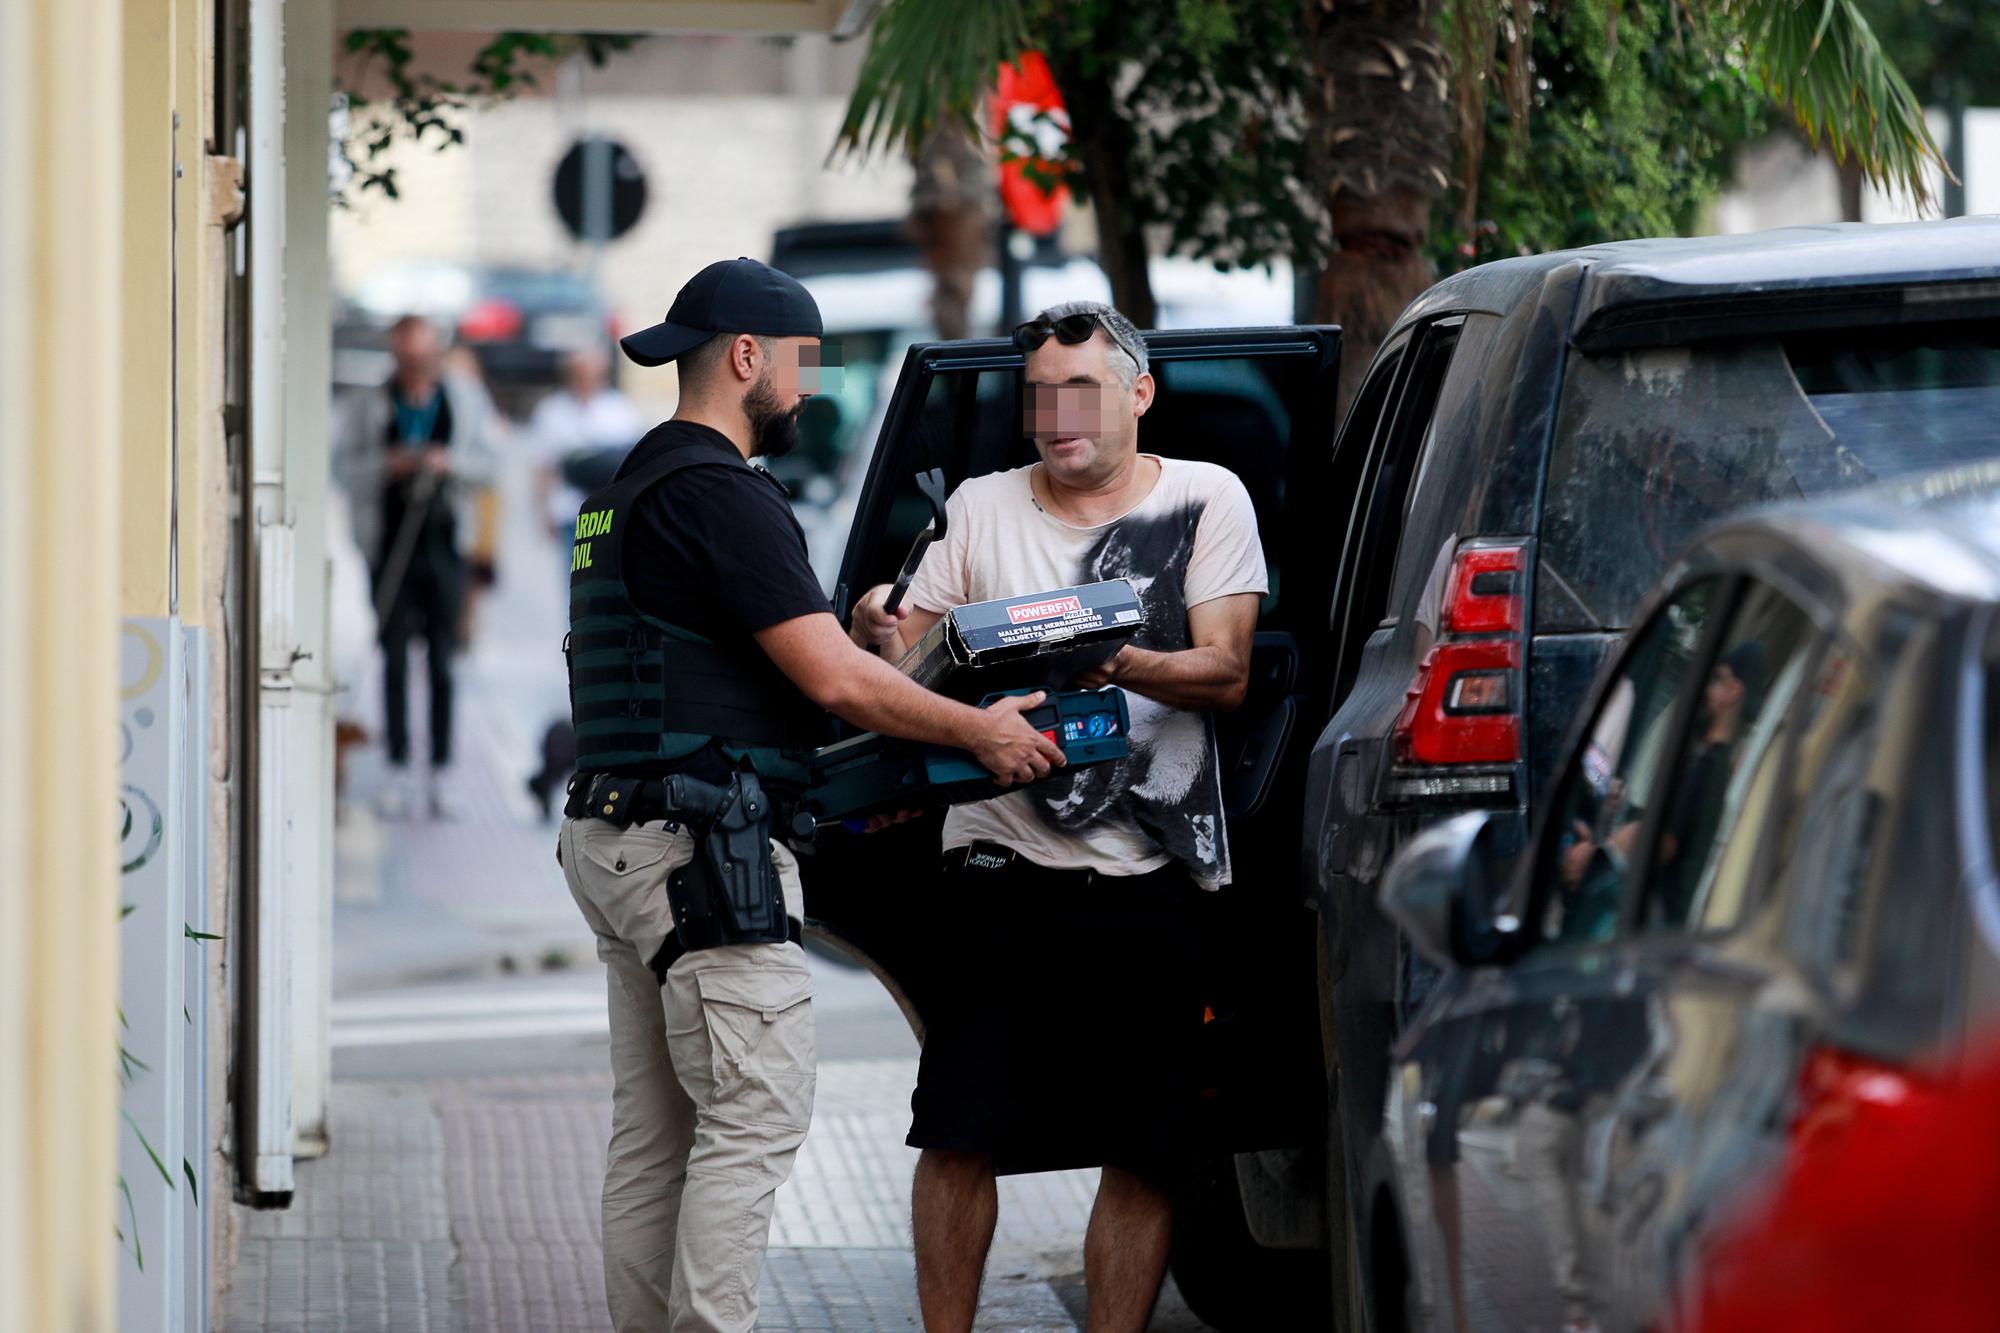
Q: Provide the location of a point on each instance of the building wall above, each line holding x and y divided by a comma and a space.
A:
60, 345
1781, 183
733, 134
171, 564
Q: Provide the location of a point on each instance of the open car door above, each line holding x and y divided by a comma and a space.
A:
1259, 402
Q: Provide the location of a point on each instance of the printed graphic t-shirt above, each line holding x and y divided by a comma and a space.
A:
1191, 540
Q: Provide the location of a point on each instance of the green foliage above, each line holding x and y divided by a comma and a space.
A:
130, 1065
1821, 61
1630, 130
1199, 101
1623, 124
1949, 50
1216, 106
158, 1165
132, 1213
927, 63
423, 108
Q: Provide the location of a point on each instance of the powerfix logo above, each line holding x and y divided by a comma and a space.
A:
1061, 606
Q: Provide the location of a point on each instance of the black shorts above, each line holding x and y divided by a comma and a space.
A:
1064, 1034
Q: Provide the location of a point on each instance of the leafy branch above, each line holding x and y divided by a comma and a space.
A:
1829, 71
1817, 60
424, 108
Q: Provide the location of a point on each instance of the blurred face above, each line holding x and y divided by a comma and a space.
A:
417, 348
1082, 417
1724, 692
585, 374
795, 370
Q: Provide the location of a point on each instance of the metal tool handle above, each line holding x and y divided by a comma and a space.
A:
931, 483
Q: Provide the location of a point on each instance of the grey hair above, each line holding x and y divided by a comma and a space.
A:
1127, 353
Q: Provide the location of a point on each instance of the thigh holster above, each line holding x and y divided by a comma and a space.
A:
729, 892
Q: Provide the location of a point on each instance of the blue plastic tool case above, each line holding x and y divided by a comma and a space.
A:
872, 773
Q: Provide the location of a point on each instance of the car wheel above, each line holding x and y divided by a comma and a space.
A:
1226, 1277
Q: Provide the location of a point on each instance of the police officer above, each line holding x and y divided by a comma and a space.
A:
701, 654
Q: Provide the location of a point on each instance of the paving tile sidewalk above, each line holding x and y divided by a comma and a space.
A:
471, 1204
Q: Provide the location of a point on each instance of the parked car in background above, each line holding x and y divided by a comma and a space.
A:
519, 322
1532, 444
526, 321
1761, 905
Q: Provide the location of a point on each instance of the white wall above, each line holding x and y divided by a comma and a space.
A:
1779, 183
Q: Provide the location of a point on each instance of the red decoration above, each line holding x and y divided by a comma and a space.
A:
1028, 101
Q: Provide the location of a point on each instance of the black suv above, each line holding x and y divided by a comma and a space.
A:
1535, 441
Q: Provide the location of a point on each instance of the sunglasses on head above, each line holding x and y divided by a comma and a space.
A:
1069, 331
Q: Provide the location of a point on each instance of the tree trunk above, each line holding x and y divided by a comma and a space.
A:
1102, 142
1954, 157
1851, 183
1380, 153
953, 207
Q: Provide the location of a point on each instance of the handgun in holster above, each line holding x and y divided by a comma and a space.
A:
729, 892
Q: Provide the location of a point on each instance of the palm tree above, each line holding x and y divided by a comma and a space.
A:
954, 208
1397, 102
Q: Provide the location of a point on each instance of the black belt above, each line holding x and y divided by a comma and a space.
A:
622, 801
670, 952
626, 801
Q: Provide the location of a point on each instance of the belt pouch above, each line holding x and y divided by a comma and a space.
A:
607, 797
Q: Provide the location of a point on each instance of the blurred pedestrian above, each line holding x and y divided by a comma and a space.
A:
411, 457
588, 414
586, 417
482, 548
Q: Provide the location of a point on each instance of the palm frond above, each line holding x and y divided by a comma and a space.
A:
1823, 64
928, 61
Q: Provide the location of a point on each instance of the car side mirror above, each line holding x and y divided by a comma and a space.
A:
1438, 892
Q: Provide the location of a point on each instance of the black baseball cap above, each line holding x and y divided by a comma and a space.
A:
729, 296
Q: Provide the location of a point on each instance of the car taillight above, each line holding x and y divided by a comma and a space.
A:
1464, 707
1839, 1090
1483, 595
490, 321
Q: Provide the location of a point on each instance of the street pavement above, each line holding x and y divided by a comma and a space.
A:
470, 1099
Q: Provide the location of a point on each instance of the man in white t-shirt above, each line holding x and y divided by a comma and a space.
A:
1063, 1035
586, 413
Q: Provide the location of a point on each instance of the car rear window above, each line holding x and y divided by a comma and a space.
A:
1654, 444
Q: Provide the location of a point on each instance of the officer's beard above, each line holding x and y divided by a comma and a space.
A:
774, 432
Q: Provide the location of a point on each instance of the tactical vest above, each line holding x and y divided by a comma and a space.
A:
644, 692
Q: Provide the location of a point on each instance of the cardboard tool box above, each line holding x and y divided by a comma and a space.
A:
1039, 641
871, 773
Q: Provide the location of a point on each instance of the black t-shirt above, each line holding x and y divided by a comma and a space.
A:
715, 550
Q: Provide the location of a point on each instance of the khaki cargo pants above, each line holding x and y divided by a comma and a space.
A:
712, 1087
